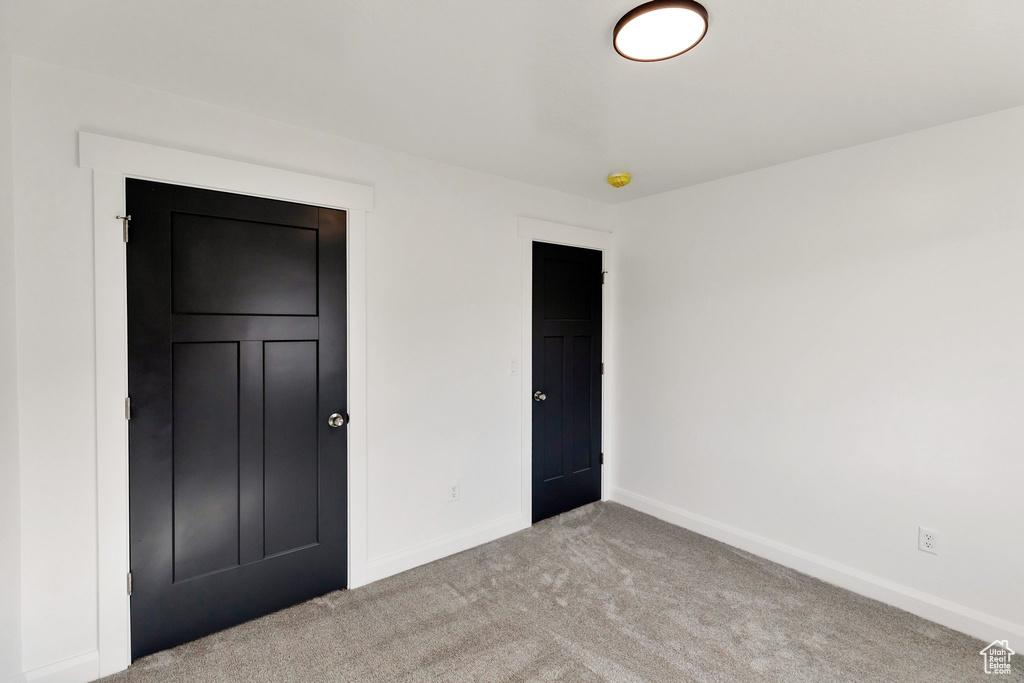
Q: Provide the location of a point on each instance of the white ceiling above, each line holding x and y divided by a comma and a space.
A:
533, 90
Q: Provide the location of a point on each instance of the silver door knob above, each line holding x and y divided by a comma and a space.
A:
539, 396
336, 420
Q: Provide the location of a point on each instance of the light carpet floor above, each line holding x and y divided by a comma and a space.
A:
600, 593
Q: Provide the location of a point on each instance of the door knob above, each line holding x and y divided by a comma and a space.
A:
336, 420
539, 396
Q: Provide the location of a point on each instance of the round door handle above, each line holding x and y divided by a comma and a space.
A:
336, 420
539, 396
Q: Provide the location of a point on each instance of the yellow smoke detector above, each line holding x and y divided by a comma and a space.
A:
619, 179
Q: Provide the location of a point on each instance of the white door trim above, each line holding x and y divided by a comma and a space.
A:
533, 230
112, 160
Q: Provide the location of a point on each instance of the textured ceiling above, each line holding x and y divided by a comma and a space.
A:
533, 90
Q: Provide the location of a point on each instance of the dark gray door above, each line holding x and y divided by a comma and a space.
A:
236, 364
566, 378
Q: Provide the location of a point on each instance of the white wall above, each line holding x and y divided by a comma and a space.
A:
825, 353
829, 353
10, 515
443, 316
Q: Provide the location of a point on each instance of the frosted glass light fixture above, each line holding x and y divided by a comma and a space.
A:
661, 29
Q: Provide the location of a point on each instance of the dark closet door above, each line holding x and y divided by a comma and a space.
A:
236, 363
566, 378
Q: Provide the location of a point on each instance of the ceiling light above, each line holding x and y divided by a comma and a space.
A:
661, 29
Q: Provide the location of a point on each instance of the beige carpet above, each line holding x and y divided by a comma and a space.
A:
600, 593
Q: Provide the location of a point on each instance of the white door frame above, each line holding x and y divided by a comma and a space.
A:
533, 230
112, 160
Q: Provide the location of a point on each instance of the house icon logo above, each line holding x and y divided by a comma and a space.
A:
997, 657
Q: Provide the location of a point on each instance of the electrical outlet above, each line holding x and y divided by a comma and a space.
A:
928, 540
453, 492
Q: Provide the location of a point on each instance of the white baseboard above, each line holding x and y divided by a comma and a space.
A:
86, 667
14, 678
447, 545
941, 611
80, 669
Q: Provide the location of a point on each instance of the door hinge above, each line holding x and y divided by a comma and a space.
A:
602, 368
125, 220
602, 458
129, 584
128, 408
603, 272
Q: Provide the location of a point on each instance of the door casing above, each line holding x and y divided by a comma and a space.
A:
533, 230
112, 160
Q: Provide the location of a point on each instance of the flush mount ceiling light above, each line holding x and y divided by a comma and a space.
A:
661, 29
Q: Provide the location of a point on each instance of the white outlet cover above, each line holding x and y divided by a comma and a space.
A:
928, 540
453, 492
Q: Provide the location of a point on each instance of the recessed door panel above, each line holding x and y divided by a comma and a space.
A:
566, 281
291, 445
231, 266
205, 395
582, 385
552, 416
250, 452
